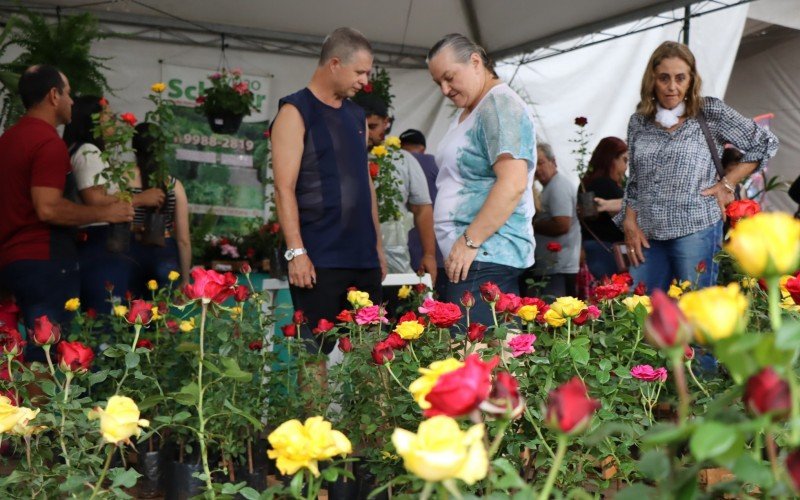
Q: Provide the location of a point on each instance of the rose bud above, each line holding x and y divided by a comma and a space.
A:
476, 332
641, 289
145, 344
382, 353
766, 392
245, 269
91, 313
793, 467
345, 345
299, 317
141, 312
459, 392
289, 330
688, 352
467, 299
666, 326
256, 345
504, 398
490, 292
569, 407
74, 357
241, 293
12, 342
45, 332
173, 326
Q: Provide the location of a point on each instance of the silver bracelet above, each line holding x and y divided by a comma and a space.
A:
727, 185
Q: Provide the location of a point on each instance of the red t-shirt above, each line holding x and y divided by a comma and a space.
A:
31, 154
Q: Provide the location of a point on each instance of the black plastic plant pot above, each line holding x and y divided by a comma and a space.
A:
154, 228
119, 237
225, 123
587, 204
179, 483
150, 466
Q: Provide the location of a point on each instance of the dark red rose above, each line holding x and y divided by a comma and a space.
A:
766, 392
504, 398
581, 121
609, 291
250, 252
209, 285
246, 269
345, 316
409, 316
382, 353
793, 287
289, 330
476, 332
554, 246
467, 299
141, 312
508, 303
162, 307
256, 345
740, 209
103, 102
793, 467
688, 352
45, 332
490, 292
421, 288
274, 228
145, 344
12, 342
241, 293
367, 88
74, 356
444, 314
569, 407
200, 99
345, 345
641, 289
459, 392
666, 326
299, 318
374, 168
700, 268
128, 296
395, 341
267, 134
173, 326
323, 326
91, 313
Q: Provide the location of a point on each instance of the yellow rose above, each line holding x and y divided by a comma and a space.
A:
9, 416
173, 275
379, 151
120, 420
72, 304
766, 244
675, 291
158, 87
156, 315
297, 445
554, 319
409, 330
430, 375
358, 299
785, 291
152, 285
568, 307
236, 312
715, 312
440, 450
120, 310
404, 292
749, 283
528, 313
685, 285
187, 326
788, 304
634, 300
392, 141
22, 427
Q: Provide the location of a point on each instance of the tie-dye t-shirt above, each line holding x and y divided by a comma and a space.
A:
501, 123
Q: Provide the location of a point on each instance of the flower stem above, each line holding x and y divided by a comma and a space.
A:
201, 431
530, 419
50, 365
569, 330
551, 477
389, 368
773, 456
494, 313
426, 491
64, 418
774, 296
413, 354
28, 450
137, 329
102, 477
694, 378
680, 384
795, 392
498, 438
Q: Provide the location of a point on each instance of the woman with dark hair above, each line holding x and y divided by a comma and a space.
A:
607, 168
675, 198
155, 262
100, 269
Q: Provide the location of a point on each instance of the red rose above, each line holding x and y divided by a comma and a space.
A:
382, 353
504, 398
569, 407
141, 312
274, 228
91, 313
374, 168
345, 316
173, 326
622, 279
467, 299
45, 332
267, 134
581, 121
367, 88
103, 102
128, 296
793, 287
554, 246
508, 303
256, 345
490, 292
688, 352
395, 341
345, 345
246, 269
609, 291
793, 467
250, 252
128, 118
741, 208
200, 100
145, 344
12, 342
766, 392
74, 356
289, 330
209, 285
299, 318
241, 293
444, 314
323, 326
476, 332
541, 305
700, 268
162, 308
666, 326
641, 289
459, 392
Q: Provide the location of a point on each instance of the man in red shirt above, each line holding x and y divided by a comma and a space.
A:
38, 259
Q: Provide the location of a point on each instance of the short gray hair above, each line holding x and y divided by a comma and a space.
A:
546, 150
343, 43
462, 48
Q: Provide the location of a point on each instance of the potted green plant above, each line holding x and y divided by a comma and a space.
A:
226, 102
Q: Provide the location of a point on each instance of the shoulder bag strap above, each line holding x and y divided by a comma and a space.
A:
701, 119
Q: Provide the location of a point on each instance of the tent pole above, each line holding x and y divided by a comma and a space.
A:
687, 15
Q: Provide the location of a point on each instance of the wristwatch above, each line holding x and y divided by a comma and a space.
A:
294, 252
470, 243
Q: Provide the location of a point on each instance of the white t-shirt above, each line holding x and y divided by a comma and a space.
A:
86, 164
501, 123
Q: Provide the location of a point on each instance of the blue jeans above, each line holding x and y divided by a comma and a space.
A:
678, 258
600, 261
505, 277
152, 263
41, 287
100, 267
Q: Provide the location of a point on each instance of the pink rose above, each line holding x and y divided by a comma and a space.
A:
522, 344
649, 374
229, 250
371, 315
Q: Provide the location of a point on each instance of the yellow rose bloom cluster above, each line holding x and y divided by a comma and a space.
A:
676, 289
119, 421
440, 451
568, 307
634, 300
528, 313
15, 419
173, 275
766, 244
410, 330
358, 299
379, 151
158, 87
152, 285
297, 446
554, 319
404, 292
72, 305
187, 326
715, 312
120, 310
430, 375
392, 141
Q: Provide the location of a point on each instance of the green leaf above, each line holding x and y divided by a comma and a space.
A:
181, 416
712, 439
666, 433
655, 465
97, 377
250, 418
150, 401
580, 341
787, 337
249, 493
208, 365
126, 479
188, 347
636, 492
113, 352
131, 360
750, 471
188, 395
231, 370
48, 387
579, 354
603, 377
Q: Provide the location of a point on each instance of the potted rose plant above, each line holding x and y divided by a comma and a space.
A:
227, 102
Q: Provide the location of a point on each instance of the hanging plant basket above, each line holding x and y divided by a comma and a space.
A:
225, 123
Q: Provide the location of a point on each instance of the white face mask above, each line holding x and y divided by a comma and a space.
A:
668, 118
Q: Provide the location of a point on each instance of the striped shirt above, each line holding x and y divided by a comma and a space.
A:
168, 209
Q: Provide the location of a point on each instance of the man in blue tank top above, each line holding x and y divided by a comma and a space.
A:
323, 193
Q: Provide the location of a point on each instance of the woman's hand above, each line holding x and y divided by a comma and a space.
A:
612, 206
457, 264
722, 194
634, 238
152, 197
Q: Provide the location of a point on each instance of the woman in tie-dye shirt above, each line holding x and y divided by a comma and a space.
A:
486, 162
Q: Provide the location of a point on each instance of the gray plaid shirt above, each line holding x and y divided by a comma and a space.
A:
668, 170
